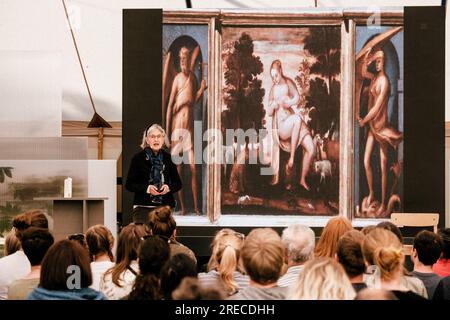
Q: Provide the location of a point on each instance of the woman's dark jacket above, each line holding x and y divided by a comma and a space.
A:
138, 179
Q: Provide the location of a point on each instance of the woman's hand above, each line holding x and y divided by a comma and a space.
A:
153, 190
164, 189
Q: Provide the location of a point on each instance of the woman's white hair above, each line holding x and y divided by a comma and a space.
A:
149, 129
299, 240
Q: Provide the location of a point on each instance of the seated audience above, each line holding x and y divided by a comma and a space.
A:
118, 281
100, 242
35, 243
299, 242
65, 274
442, 291
349, 255
12, 243
442, 266
174, 271
153, 254
323, 278
409, 280
191, 289
334, 229
224, 266
162, 223
383, 249
426, 251
263, 257
375, 294
16, 266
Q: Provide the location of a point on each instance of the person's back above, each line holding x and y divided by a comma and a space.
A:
299, 242
442, 266
426, 251
56, 283
16, 266
35, 244
163, 224
263, 257
442, 291
100, 241
12, 267
223, 266
118, 281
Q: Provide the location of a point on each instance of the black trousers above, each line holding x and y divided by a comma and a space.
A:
141, 214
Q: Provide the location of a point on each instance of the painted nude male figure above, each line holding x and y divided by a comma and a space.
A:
180, 118
380, 130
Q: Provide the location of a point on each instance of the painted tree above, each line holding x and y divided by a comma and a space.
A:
324, 43
243, 94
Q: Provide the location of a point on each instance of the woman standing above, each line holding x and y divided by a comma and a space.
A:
152, 175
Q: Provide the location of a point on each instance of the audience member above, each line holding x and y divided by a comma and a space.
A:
16, 266
383, 249
100, 242
118, 281
162, 223
153, 254
323, 278
35, 243
442, 266
442, 291
334, 229
349, 255
367, 229
80, 238
12, 243
299, 242
224, 266
263, 256
426, 251
407, 280
375, 294
191, 289
174, 271
65, 274
387, 225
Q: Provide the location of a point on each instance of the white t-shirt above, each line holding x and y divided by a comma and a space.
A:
13, 267
126, 280
98, 270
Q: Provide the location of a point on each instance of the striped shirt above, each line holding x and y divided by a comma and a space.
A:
290, 277
213, 277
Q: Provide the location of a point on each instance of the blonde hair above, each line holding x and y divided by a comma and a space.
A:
12, 243
263, 255
323, 279
382, 248
154, 126
226, 250
333, 231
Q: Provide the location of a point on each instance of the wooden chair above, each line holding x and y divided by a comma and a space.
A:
415, 220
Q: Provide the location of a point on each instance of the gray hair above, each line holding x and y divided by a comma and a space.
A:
154, 126
299, 240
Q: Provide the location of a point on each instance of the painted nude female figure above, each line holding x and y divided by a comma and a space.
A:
291, 128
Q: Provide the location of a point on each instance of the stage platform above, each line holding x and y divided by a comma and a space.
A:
256, 221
